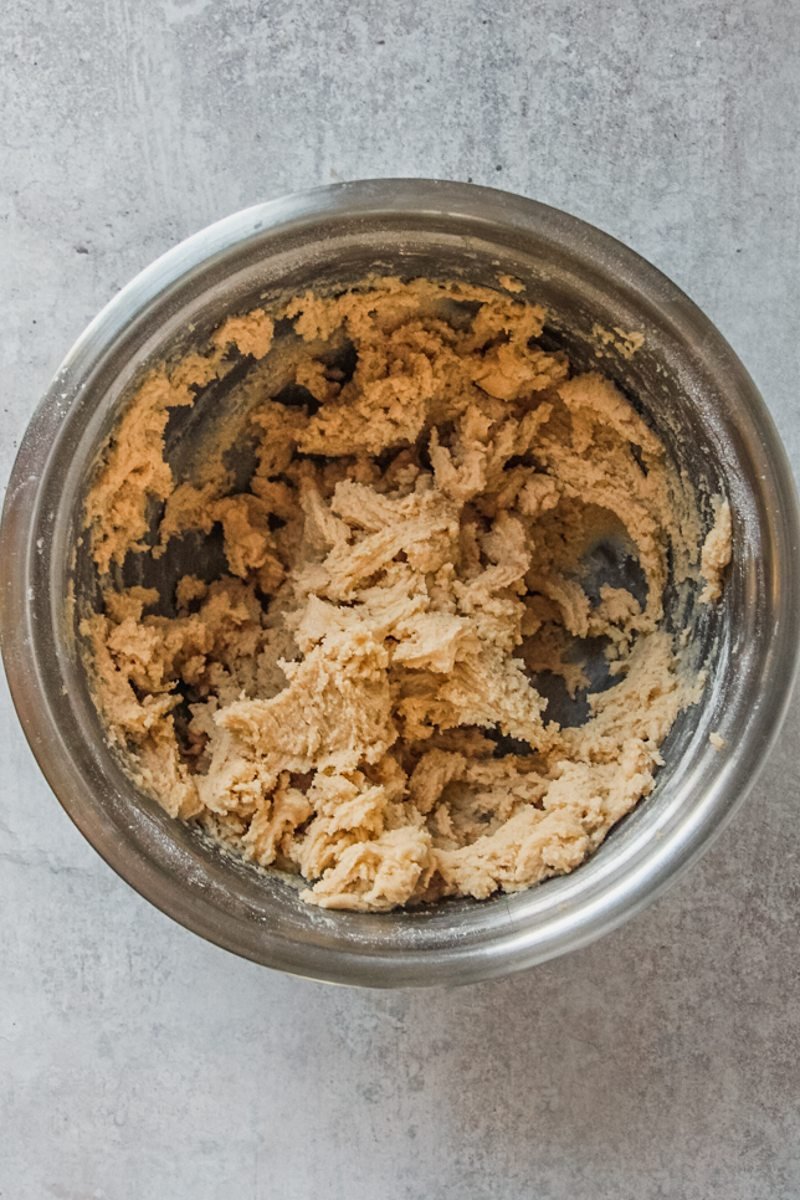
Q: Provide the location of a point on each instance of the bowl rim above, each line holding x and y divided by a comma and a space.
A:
615, 899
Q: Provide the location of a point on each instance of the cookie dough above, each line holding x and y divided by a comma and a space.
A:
357, 699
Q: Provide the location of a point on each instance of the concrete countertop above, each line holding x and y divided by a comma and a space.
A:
137, 1061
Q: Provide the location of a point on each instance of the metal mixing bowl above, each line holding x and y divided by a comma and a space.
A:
688, 383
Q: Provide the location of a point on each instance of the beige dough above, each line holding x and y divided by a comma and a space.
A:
716, 553
406, 559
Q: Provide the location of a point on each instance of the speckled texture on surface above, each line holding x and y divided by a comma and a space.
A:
138, 1062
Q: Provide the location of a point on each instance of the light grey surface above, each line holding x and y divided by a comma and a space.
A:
136, 1061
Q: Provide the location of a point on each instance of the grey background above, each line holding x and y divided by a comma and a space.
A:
136, 1060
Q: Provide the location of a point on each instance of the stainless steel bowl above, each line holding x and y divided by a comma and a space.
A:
687, 381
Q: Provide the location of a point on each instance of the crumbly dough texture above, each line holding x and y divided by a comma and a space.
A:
354, 699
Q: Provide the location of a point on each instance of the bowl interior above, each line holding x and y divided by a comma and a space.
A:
685, 382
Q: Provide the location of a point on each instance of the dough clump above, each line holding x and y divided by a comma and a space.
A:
356, 696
